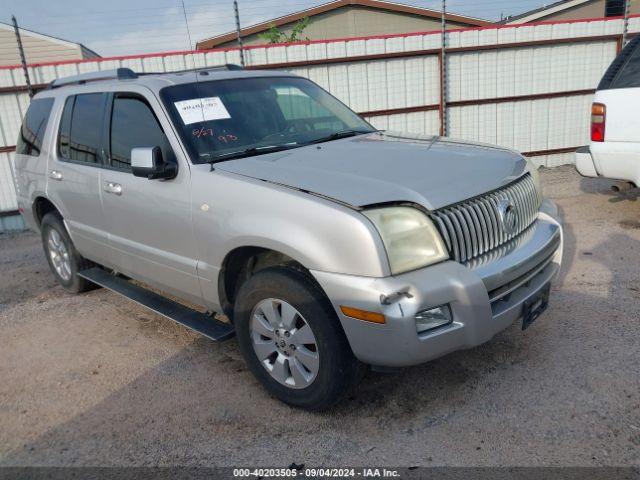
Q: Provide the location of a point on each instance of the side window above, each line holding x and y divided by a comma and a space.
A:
80, 135
629, 74
33, 127
65, 128
133, 124
297, 106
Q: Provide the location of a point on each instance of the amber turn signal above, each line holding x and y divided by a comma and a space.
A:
365, 315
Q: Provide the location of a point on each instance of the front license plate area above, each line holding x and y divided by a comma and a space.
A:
535, 306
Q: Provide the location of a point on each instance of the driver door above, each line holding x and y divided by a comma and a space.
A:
149, 221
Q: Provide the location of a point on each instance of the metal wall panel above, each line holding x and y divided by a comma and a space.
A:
382, 84
8, 201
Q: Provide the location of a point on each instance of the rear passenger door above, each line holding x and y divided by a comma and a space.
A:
74, 172
149, 221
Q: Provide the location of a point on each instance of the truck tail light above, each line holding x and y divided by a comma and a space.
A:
598, 117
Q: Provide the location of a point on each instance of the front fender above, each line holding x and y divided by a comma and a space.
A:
231, 211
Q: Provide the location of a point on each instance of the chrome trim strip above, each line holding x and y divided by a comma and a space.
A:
518, 282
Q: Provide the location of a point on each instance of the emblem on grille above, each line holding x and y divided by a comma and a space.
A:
508, 214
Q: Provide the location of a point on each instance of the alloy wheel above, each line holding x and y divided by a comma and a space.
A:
59, 255
284, 343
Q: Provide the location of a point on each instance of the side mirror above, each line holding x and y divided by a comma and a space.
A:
148, 162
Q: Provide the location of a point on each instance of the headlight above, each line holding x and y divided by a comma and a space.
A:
535, 175
410, 238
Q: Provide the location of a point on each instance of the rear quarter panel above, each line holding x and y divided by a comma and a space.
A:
31, 173
618, 157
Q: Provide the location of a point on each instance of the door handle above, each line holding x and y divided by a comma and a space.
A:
112, 187
55, 175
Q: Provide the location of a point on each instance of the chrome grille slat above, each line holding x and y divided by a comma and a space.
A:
473, 235
474, 227
501, 235
463, 235
490, 225
457, 253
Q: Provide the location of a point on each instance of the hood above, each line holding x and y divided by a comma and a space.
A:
383, 167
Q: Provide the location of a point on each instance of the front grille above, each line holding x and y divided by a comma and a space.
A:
474, 227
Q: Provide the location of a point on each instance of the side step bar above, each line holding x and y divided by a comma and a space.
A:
198, 322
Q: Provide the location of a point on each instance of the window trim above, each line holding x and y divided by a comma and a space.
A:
101, 152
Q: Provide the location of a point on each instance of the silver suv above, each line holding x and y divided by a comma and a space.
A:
327, 244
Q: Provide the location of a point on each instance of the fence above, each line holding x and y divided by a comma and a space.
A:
527, 87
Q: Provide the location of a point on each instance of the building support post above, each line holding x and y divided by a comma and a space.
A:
23, 59
238, 32
625, 28
443, 72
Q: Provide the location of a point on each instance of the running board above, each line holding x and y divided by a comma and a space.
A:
198, 322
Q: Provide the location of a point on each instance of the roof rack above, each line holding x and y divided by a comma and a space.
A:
200, 70
116, 74
128, 74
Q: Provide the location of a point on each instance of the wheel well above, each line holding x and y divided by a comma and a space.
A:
242, 263
42, 206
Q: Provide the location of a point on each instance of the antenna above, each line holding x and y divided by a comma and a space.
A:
186, 22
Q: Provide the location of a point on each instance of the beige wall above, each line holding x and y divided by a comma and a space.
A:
594, 9
356, 21
37, 49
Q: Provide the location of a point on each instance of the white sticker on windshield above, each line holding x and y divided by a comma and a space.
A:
201, 110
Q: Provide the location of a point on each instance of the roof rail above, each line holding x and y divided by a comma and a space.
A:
200, 70
116, 74
128, 74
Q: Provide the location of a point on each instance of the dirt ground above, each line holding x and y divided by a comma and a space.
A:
96, 380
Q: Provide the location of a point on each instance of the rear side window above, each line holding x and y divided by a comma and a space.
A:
624, 71
33, 127
133, 125
629, 75
80, 135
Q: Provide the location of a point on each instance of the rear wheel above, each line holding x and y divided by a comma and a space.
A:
292, 340
63, 258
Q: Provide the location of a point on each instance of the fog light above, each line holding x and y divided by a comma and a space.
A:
433, 318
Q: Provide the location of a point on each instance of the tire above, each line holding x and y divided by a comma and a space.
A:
53, 231
337, 368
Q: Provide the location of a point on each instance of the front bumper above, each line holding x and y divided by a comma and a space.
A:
485, 297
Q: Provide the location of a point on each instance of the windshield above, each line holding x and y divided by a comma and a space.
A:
224, 119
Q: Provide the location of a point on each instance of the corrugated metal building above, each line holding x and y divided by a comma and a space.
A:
348, 19
576, 10
527, 87
39, 48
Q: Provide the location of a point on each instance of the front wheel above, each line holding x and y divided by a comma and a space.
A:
291, 338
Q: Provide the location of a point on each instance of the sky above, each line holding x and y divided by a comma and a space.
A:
126, 27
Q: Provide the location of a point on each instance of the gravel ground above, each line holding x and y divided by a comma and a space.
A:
96, 380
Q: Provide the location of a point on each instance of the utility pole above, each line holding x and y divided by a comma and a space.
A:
238, 33
23, 60
625, 29
443, 72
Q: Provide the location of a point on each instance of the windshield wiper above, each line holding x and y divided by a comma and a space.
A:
340, 134
251, 152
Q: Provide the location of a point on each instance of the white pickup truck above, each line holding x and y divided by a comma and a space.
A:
614, 151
